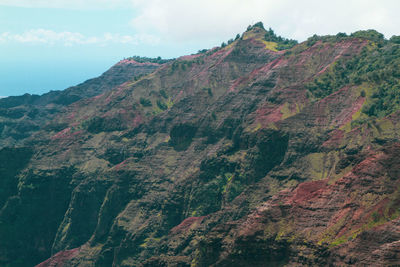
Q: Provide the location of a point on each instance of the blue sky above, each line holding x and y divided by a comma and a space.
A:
53, 44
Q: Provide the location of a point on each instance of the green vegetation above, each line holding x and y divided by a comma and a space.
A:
272, 40
330, 81
371, 35
157, 60
283, 43
202, 51
145, 102
183, 65
381, 69
208, 90
395, 39
163, 93
182, 136
270, 36
138, 77
162, 105
256, 25
376, 66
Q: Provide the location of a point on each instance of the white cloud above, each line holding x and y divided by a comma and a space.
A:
68, 4
217, 20
183, 20
49, 37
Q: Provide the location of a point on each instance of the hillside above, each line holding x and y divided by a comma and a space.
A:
21, 116
261, 152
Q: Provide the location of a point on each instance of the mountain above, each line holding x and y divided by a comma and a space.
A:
21, 116
261, 152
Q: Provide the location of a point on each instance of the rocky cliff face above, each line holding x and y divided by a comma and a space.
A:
242, 155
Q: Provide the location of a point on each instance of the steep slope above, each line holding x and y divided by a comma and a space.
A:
240, 155
21, 116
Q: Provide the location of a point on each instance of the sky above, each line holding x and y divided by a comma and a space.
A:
53, 44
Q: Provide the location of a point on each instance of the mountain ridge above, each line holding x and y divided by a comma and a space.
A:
243, 154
